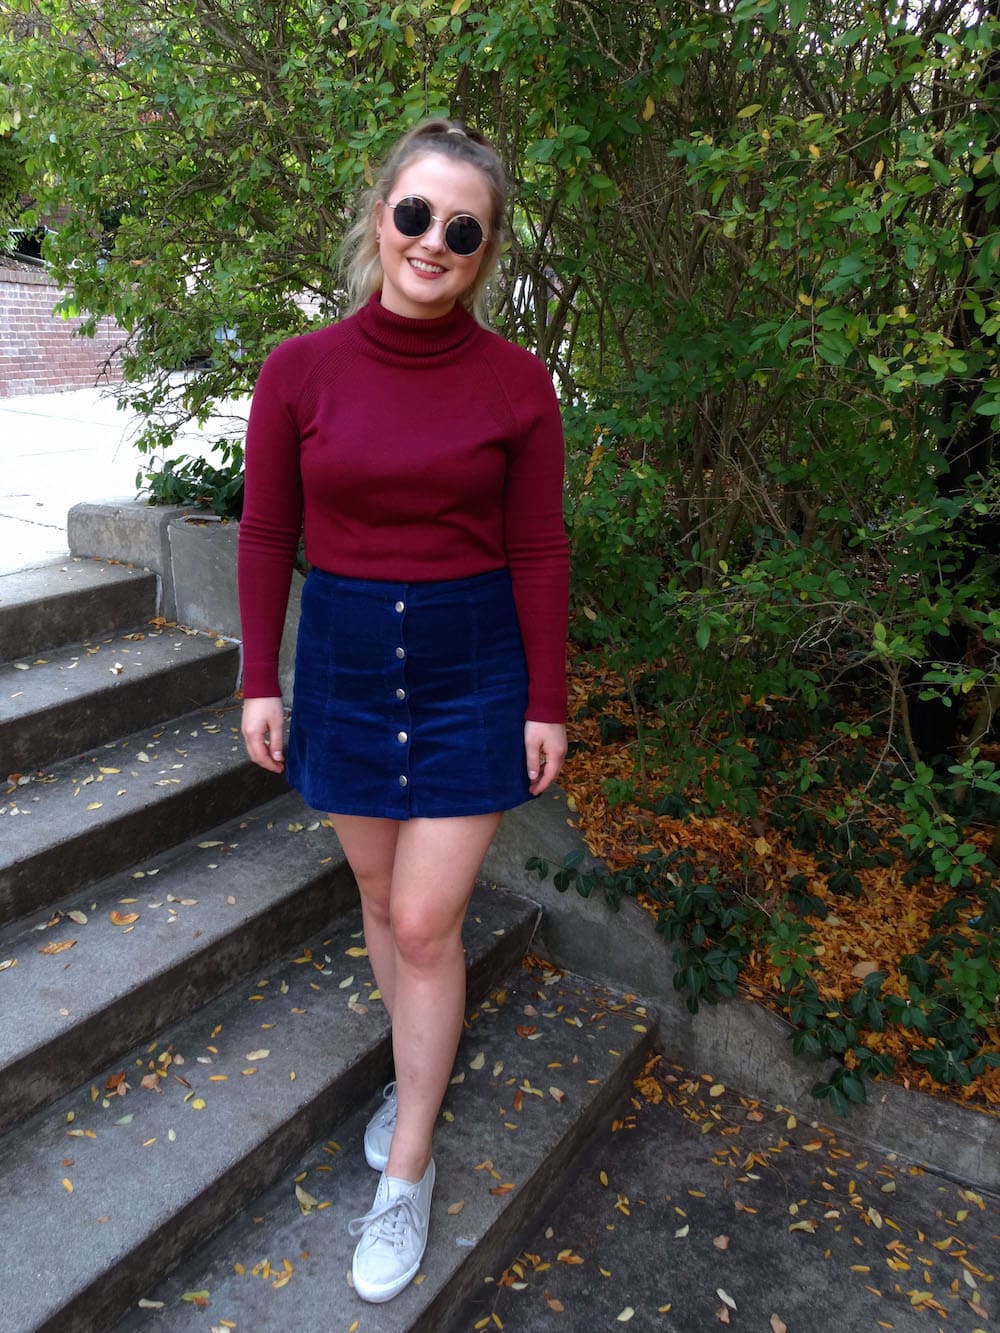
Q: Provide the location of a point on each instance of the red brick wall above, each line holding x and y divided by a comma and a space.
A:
39, 352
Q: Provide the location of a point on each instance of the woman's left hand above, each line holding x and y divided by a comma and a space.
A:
545, 750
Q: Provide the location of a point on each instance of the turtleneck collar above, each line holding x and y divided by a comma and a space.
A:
399, 335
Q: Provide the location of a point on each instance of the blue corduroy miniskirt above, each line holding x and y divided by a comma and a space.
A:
409, 698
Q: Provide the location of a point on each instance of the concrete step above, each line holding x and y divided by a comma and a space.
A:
539, 1066
68, 600
93, 815
103, 1193
89, 693
207, 911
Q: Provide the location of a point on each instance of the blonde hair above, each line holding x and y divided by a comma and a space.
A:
359, 252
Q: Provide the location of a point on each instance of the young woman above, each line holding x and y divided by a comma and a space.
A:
425, 455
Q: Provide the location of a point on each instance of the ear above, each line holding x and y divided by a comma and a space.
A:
379, 215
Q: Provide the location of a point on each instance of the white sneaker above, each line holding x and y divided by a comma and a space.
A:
387, 1257
378, 1135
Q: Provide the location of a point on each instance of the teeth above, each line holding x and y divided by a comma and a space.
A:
426, 268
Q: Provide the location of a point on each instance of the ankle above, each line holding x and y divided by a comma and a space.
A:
409, 1167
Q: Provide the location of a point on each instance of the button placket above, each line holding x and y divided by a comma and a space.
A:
401, 695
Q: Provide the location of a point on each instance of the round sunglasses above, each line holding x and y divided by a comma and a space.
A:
463, 234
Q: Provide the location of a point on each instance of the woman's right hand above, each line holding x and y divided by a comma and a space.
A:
264, 732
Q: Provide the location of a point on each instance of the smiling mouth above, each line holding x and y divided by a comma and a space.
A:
422, 266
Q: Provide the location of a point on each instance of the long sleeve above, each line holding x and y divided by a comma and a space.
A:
536, 542
271, 522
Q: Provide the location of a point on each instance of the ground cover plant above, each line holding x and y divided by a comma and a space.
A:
825, 908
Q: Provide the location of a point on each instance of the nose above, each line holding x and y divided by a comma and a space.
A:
433, 237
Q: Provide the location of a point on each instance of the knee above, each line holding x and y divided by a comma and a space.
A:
421, 941
374, 891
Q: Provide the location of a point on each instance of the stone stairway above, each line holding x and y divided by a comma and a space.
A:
190, 1042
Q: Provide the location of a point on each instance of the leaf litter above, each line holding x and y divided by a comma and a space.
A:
842, 1215
158, 1066
870, 932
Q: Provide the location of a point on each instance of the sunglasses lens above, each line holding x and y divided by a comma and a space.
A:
412, 216
464, 235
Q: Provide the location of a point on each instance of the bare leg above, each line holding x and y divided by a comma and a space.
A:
416, 879
370, 848
436, 861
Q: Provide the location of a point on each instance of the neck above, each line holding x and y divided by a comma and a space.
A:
402, 335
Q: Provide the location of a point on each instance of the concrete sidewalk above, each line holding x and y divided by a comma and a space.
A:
60, 449
694, 1207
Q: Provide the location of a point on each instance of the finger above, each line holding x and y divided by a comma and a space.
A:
552, 745
263, 737
549, 772
260, 753
533, 755
275, 741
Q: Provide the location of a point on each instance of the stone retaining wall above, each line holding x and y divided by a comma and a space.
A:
39, 351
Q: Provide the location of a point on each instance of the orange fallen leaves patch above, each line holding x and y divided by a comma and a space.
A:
862, 934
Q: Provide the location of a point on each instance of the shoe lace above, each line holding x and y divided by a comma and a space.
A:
389, 1220
391, 1109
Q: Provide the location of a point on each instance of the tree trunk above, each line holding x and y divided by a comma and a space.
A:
968, 446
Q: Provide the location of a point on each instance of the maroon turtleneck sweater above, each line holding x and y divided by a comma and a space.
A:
415, 450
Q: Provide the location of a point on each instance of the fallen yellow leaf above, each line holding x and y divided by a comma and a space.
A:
305, 1200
